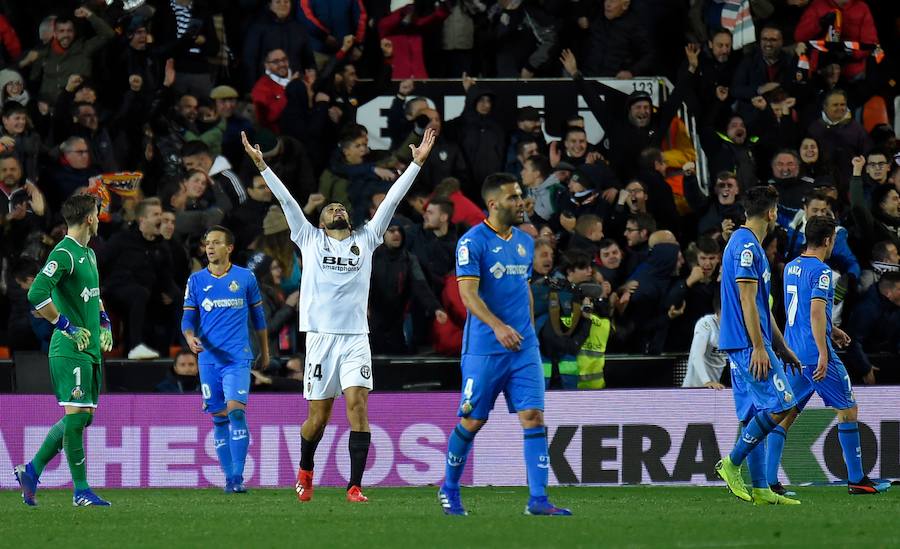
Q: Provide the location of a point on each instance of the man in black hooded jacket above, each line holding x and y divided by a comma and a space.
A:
658, 297
480, 136
397, 277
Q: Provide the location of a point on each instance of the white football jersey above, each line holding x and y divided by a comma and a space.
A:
334, 286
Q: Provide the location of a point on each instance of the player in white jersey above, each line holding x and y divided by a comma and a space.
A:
334, 293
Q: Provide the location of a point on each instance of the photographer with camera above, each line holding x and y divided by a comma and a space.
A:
574, 337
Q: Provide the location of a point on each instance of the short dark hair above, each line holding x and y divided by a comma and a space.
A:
493, 182
445, 205
880, 250
889, 280
880, 193
772, 26
520, 146
65, 18
649, 157
720, 30
708, 245
817, 194
540, 163
229, 236
13, 107
24, 268
759, 200
791, 152
77, 208
195, 147
606, 243
877, 151
818, 229
644, 222
181, 353
350, 134
574, 129
574, 259
447, 186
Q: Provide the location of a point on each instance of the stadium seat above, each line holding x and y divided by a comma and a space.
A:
874, 113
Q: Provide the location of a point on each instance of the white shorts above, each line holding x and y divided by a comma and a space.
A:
335, 362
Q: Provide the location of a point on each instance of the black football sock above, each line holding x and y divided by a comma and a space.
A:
359, 452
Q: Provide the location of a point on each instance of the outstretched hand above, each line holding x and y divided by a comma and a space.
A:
420, 153
567, 58
253, 152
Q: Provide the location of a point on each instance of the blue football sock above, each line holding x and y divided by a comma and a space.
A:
774, 448
457, 451
537, 462
757, 429
240, 441
220, 439
756, 463
848, 435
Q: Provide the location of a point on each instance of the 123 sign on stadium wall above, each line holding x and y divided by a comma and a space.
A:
601, 437
556, 99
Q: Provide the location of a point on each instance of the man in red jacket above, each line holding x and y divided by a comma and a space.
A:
268, 92
839, 21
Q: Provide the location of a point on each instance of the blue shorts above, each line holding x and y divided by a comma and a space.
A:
835, 390
518, 374
772, 394
221, 383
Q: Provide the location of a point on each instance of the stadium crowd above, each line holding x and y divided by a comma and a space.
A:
143, 104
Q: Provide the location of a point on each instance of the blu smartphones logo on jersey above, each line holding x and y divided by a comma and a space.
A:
87, 294
340, 264
210, 304
498, 270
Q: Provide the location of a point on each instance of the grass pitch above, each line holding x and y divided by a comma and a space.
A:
411, 517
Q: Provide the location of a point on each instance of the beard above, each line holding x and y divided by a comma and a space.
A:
338, 224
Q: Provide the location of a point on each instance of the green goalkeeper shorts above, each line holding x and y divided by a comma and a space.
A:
76, 382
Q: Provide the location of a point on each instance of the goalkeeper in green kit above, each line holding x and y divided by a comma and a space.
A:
67, 293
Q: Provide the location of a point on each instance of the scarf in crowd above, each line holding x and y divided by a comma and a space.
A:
283, 82
736, 18
182, 17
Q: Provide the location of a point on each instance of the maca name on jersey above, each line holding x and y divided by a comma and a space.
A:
341, 264
795, 270
233, 303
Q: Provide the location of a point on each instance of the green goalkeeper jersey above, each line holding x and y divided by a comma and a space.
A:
70, 279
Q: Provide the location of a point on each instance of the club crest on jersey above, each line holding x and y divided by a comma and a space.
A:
354, 249
50, 268
77, 393
443, 156
824, 281
234, 286
746, 258
521, 249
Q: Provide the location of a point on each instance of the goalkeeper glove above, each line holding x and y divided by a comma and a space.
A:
80, 336
106, 338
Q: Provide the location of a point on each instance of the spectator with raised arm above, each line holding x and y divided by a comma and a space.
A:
67, 53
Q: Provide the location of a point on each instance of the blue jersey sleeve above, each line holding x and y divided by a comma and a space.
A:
254, 299
468, 258
748, 265
190, 302
820, 284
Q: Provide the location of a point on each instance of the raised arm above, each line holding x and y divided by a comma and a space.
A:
395, 194
292, 210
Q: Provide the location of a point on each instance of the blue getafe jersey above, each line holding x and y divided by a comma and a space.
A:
805, 279
743, 259
503, 268
224, 304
